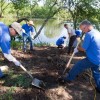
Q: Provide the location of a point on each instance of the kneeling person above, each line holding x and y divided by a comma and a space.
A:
60, 42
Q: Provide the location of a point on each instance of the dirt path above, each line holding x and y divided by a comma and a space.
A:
45, 63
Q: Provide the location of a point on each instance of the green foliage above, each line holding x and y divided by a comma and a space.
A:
17, 80
19, 4
80, 10
63, 15
15, 44
41, 12
42, 44
8, 95
3, 6
49, 3
20, 81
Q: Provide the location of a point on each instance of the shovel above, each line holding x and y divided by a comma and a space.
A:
69, 61
35, 82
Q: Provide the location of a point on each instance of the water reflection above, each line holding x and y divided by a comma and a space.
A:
51, 32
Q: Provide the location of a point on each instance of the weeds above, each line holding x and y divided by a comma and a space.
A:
15, 44
8, 95
42, 44
17, 80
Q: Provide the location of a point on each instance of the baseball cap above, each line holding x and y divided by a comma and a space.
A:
17, 27
78, 32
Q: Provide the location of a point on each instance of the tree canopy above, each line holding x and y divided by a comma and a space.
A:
73, 10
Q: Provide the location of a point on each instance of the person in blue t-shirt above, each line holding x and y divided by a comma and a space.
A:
27, 35
5, 38
91, 45
60, 42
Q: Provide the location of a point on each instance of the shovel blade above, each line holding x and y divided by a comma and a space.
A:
37, 83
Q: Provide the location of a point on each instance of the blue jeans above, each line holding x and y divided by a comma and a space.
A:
1, 74
80, 67
25, 40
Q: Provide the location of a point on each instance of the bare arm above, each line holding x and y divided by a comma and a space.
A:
69, 34
81, 49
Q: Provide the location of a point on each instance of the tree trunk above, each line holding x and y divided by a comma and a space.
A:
17, 14
41, 28
75, 23
45, 21
0, 15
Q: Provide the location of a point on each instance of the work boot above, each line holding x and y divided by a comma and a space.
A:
61, 80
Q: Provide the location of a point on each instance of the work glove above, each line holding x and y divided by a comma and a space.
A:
17, 63
23, 31
78, 39
75, 50
32, 37
13, 59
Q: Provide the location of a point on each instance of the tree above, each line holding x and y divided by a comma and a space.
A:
19, 5
53, 6
4, 4
32, 5
80, 9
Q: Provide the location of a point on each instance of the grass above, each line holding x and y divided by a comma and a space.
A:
18, 45
18, 80
13, 81
42, 44
8, 95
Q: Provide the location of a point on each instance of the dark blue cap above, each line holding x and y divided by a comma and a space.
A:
78, 32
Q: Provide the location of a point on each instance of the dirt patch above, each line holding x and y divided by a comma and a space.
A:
45, 63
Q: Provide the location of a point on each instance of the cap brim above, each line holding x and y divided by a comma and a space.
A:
19, 32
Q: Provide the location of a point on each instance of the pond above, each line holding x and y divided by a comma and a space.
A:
51, 32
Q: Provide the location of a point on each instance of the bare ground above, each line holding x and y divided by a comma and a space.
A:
47, 64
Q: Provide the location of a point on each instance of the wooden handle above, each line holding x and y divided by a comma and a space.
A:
70, 58
26, 71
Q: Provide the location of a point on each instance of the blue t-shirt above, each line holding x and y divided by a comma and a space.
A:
60, 41
28, 29
92, 46
5, 38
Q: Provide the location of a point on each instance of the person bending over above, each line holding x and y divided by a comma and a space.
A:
91, 46
5, 38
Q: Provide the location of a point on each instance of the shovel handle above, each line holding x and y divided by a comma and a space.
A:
68, 62
26, 71
70, 58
